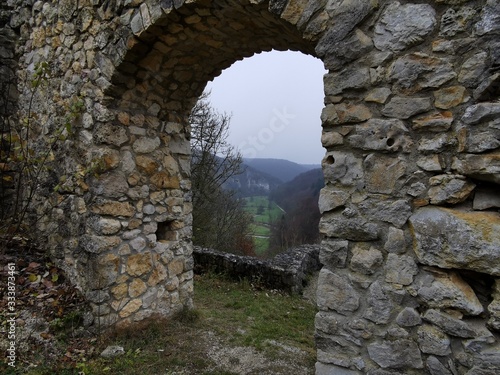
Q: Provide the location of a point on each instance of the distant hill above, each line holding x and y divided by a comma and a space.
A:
304, 187
252, 182
284, 170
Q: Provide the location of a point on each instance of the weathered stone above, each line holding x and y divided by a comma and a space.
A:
450, 97
449, 324
380, 305
408, 317
352, 113
146, 145
472, 69
490, 19
352, 77
455, 21
136, 288
430, 163
111, 134
396, 354
378, 95
394, 212
331, 139
435, 367
366, 261
453, 239
395, 242
381, 135
494, 307
404, 107
440, 289
117, 209
108, 226
130, 308
163, 180
481, 112
402, 26
334, 253
351, 228
146, 165
382, 173
400, 269
330, 199
432, 340
482, 167
417, 71
111, 185
328, 369
112, 351
343, 168
336, 293
437, 143
139, 264
448, 188
436, 122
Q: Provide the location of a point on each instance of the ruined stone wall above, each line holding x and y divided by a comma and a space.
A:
411, 128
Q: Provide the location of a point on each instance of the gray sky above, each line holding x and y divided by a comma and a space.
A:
275, 99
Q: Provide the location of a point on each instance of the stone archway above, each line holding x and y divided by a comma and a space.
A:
410, 126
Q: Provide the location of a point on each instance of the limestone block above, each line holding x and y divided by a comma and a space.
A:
110, 185
450, 97
333, 253
378, 95
343, 168
454, 239
432, 340
405, 107
482, 167
448, 188
455, 21
352, 113
146, 145
163, 180
435, 367
494, 307
381, 135
130, 308
395, 242
435, 122
481, 112
108, 226
328, 369
478, 141
430, 163
111, 134
366, 261
398, 354
490, 19
330, 139
437, 143
400, 269
351, 228
473, 69
352, 77
136, 288
112, 208
449, 324
443, 290
380, 304
395, 212
146, 165
417, 71
330, 199
139, 264
402, 26
408, 317
382, 173
336, 293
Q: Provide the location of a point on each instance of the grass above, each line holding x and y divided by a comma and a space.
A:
236, 313
264, 212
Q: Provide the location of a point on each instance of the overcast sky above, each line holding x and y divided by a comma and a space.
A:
275, 100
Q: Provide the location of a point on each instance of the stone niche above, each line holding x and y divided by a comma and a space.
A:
411, 130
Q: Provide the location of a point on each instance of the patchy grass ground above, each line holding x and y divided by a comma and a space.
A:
236, 328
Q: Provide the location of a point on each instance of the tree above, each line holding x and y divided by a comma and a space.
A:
219, 220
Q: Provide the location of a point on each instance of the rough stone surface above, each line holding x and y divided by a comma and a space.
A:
411, 123
453, 239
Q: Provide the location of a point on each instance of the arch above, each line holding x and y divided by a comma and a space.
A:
410, 128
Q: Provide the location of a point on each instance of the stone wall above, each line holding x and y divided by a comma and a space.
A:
289, 271
412, 167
